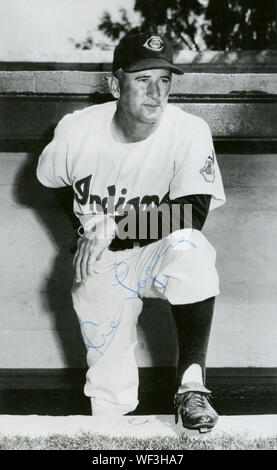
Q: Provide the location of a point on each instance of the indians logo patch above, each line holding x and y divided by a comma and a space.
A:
155, 43
208, 170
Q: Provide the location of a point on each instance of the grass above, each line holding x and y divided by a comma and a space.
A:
87, 441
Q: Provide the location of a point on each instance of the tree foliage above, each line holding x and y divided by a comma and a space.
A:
241, 24
177, 19
197, 25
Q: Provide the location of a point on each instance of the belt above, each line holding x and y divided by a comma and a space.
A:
120, 245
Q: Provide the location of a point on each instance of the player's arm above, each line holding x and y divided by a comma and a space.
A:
195, 217
53, 164
97, 233
193, 212
90, 238
53, 171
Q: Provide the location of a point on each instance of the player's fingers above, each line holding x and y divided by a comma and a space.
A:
99, 253
78, 244
91, 259
98, 248
90, 264
78, 260
75, 257
85, 258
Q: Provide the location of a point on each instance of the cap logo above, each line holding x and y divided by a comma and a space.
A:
155, 43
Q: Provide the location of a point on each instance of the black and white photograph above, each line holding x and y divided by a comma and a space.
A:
138, 179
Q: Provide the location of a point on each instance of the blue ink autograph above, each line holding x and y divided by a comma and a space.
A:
149, 269
88, 342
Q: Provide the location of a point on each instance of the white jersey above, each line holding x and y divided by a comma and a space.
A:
177, 158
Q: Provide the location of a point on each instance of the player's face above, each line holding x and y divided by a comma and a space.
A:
143, 95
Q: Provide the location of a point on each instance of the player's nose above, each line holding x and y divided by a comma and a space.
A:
153, 90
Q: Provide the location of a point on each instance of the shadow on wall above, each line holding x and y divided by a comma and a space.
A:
55, 286
53, 210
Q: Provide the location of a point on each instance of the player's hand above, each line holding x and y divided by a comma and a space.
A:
90, 249
87, 253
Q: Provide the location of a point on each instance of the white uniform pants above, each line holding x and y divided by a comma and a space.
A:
179, 268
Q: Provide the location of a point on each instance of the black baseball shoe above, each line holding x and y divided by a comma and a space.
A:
191, 402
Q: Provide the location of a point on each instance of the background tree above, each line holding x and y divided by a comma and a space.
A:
179, 20
241, 24
206, 24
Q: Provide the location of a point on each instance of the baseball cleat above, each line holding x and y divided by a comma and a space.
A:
192, 403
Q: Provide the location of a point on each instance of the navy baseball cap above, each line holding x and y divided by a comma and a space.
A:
144, 51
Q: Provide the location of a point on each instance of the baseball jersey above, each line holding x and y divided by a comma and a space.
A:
177, 158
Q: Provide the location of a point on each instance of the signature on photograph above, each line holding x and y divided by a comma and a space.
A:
90, 329
123, 267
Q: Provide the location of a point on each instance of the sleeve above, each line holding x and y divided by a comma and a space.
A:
196, 170
52, 169
200, 208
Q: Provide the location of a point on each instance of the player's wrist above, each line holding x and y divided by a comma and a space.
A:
102, 226
106, 228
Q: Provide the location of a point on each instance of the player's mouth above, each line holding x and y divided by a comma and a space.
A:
152, 106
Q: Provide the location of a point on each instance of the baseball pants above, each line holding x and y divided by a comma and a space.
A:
179, 268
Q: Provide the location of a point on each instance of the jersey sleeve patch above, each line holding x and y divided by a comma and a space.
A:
208, 170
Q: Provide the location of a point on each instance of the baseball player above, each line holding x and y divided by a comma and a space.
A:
122, 158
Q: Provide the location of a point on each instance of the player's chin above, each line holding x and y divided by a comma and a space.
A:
152, 113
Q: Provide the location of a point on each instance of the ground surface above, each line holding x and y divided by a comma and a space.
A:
134, 432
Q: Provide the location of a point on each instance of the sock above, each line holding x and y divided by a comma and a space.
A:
193, 373
193, 323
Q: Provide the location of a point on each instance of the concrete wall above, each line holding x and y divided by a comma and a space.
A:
98, 60
38, 325
238, 107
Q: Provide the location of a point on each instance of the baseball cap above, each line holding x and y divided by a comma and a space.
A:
144, 51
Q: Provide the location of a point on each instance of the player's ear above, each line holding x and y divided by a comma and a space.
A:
113, 82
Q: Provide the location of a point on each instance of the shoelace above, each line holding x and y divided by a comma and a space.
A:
196, 401
192, 402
